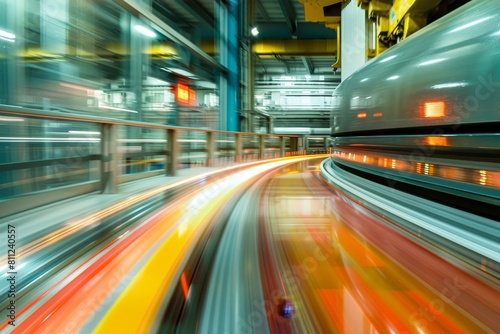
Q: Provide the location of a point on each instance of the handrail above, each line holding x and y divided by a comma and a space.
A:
32, 179
29, 112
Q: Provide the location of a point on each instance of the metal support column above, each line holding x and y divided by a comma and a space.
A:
210, 149
229, 81
237, 144
282, 147
262, 147
294, 144
269, 124
109, 158
172, 151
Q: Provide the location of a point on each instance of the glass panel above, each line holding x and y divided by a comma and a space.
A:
193, 147
250, 148
93, 57
141, 149
60, 153
225, 148
272, 148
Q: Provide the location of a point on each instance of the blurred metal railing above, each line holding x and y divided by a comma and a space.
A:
49, 156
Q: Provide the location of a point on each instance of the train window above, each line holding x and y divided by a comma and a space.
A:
361, 102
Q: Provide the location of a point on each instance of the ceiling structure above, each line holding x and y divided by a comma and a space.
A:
286, 44
297, 36
289, 44
297, 39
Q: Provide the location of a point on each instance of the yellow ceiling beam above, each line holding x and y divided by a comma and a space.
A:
285, 47
296, 47
314, 12
156, 51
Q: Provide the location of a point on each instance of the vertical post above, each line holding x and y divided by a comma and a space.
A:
269, 124
294, 144
137, 64
249, 9
262, 146
210, 148
237, 144
172, 152
228, 55
306, 144
325, 144
282, 147
109, 158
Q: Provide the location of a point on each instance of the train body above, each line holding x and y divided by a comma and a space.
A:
419, 126
446, 75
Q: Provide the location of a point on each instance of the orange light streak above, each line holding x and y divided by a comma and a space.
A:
185, 287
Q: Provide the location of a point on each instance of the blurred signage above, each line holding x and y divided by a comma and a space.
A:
186, 95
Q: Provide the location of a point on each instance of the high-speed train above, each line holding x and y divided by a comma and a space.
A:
445, 75
419, 125
427, 111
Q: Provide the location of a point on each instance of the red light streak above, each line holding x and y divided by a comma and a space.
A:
185, 287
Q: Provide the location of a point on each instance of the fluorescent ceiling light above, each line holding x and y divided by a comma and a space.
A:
254, 31
145, 31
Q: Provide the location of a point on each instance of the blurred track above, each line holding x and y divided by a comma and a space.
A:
350, 272
343, 266
221, 257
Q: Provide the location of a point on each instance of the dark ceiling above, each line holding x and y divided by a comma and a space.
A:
277, 20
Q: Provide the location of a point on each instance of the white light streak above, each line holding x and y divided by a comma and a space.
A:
388, 58
432, 61
470, 24
7, 36
145, 31
117, 109
84, 132
11, 119
449, 85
